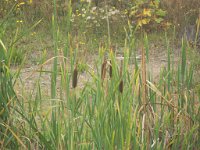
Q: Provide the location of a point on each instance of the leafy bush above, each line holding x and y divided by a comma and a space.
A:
147, 14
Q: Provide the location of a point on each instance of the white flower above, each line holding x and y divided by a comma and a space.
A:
116, 11
98, 25
88, 18
73, 15
101, 10
94, 8
110, 13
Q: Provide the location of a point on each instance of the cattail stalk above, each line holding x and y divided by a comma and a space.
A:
144, 90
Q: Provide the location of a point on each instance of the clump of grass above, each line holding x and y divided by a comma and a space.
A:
7, 98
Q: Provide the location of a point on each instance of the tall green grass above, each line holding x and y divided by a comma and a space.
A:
117, 108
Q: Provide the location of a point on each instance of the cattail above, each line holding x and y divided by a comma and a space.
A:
112, 48
75, 77
103, 69
110, 69
121, 84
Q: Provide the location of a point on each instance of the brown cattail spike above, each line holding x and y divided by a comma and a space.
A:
110, 69
121, 84
103, 69
75, 77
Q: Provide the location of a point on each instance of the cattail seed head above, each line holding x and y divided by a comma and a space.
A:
121, 84
110, 69
75, 77
103, 69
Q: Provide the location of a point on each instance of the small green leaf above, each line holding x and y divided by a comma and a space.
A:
158, 20
161, 13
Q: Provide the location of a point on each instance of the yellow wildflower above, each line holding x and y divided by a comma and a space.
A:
147, 12
20, 4
19, 21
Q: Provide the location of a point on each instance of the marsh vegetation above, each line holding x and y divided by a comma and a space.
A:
99, 74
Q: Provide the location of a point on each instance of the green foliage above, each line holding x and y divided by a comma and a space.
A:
7, 98
82, 67
147, 14
17, 56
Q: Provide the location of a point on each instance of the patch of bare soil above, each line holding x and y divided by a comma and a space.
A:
159, 59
